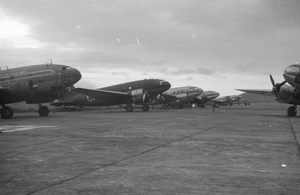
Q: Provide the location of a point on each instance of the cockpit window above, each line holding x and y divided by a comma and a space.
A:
65, 68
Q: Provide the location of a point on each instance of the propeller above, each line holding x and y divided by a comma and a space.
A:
146, 97
160, 97
276, 87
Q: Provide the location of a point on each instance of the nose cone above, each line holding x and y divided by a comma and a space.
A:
292, 70
292, 75
74, 75
198, 91
165, 85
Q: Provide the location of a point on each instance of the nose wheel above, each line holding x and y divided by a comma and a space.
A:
7, 112
129, 108
43, 111
145, 108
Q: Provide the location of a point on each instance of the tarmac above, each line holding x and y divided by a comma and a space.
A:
234, 150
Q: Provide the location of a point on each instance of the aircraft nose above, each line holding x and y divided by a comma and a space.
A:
166, 85
292, 74
292, 70
198, 91
74, 75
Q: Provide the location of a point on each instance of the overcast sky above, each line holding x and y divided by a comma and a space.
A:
216, 45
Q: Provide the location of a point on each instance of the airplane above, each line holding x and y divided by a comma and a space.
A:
227, 100
178, 96
139, 92
34, 84
289, 94
205, 97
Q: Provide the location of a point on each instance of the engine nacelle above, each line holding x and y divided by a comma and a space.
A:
137, 95
289, 95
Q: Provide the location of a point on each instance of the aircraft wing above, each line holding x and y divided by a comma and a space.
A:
264, 92
100, 93
62, 103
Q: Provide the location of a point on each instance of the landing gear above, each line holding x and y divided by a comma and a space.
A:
43, 111
145, 108
129, 108
292, 111
7, 112
202, 105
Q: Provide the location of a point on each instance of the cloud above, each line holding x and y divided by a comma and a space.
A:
180, 41
198, 71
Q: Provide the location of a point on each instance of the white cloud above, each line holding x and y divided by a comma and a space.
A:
210, 44
15, 34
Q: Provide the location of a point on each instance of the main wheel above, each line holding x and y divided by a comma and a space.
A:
129, 108
145, 108
7, 113
292, 111
43, 111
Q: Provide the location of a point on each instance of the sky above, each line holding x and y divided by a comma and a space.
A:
218, 45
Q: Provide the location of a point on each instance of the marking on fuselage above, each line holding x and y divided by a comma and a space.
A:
90, 99
13, 128
25, 75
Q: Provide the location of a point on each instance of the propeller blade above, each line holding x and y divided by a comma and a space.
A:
146, 97
276, 88
281, 84
272, 80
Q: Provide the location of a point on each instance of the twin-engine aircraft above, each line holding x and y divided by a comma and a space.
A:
179, 96
140, 92
227, 100
205, 97
35, 84
284, 93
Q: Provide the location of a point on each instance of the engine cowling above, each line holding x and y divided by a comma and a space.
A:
289, 95
137, 95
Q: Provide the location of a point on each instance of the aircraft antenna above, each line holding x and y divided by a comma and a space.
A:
7, 67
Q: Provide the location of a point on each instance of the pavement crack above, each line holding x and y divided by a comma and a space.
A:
127, 158
120, 160
295, 137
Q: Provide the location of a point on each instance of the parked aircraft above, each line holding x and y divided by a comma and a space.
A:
179, 96
284, 93
227, 100
205, 97
34, 84
139, 92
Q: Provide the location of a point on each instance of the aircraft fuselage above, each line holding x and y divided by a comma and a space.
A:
135, 91
34, 84
37, 83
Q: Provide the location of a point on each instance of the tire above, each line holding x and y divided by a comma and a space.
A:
129, 108
145, 108
7, 113
43, 111
292, 112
